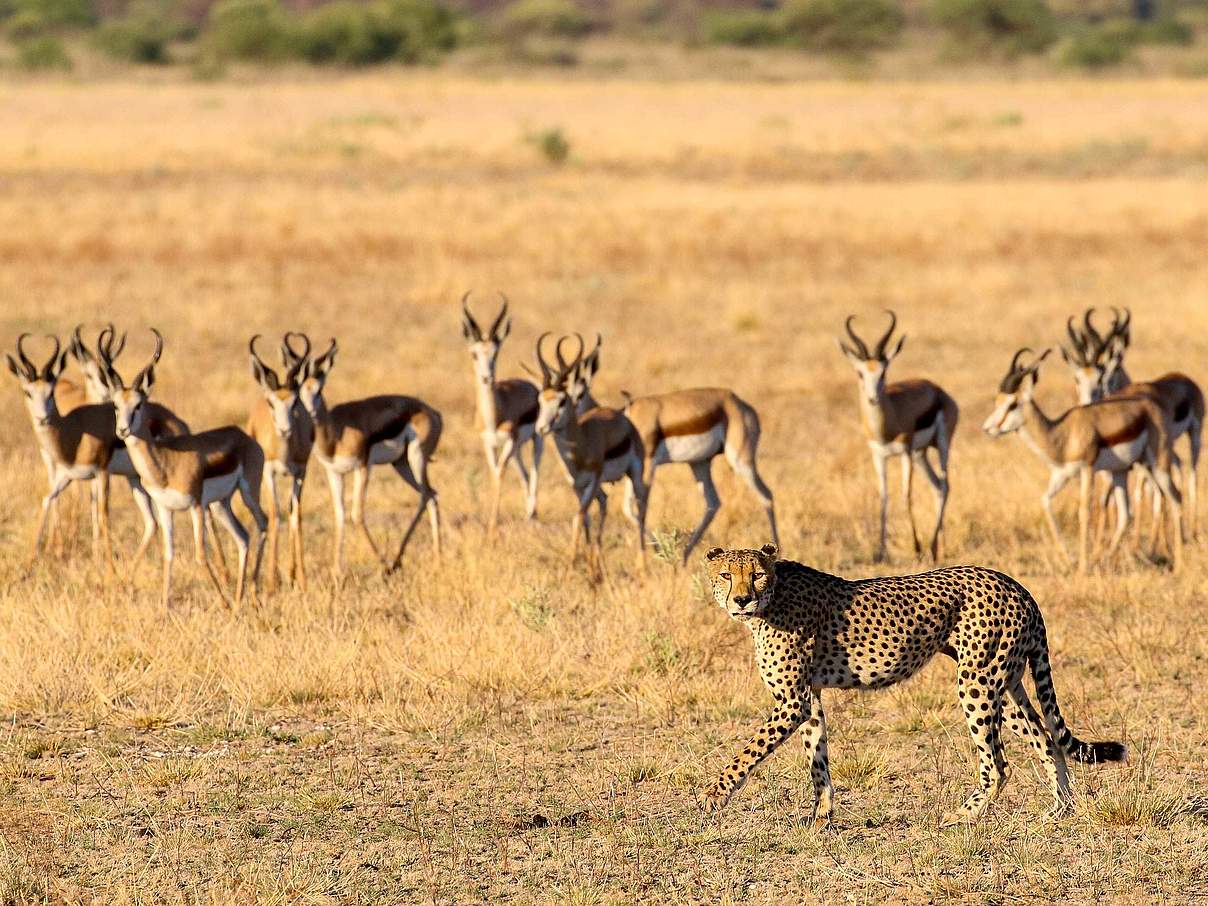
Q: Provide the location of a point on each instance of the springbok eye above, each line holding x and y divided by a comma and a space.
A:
726, 576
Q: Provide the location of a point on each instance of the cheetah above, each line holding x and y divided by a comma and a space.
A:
813, 631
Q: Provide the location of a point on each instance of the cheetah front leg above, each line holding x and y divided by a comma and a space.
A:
775, 730
813, 737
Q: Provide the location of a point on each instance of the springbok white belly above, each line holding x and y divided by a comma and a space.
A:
921, 440
170, 499
390, 450
1122, 455
691, 447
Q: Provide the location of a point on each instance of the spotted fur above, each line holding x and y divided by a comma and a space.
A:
813, 631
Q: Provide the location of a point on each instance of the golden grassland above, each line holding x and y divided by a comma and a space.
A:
478, 727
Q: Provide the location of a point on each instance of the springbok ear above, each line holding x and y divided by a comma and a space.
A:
467, 331
770, 550
901, 341
714, 553
14, 367
62, 363
146, 380
502, 333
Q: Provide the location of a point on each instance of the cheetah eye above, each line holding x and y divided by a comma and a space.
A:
758, 576
726, 576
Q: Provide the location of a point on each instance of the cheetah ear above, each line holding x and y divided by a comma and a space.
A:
770, 550
714, 553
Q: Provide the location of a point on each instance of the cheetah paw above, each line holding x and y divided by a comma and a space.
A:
714, 799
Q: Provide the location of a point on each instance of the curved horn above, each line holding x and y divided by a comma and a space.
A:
299, 359
469, 318
1093, 335
1015, 361
48, 368
1120, 325
77, 347
251, 348
547, 375
31, 372
564, 367
893, 323
104, 343
1077, 340
861, 349
503, 310
159, 350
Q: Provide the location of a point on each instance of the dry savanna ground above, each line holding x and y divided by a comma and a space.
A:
478, 727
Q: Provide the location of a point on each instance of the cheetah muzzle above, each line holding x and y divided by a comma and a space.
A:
814, 631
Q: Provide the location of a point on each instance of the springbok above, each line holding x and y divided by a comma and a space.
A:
1179, 397
190, 472
401, 431
597, 447
693, 427
506, 410
279, 423
905, 418
75, 446
1109, 436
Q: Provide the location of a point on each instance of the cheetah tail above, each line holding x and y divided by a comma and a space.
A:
1075, 748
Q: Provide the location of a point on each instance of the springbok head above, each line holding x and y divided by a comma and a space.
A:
484, 347
870, 366
38, 384
1014, 392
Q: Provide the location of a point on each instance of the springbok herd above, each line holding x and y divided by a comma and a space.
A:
88, 430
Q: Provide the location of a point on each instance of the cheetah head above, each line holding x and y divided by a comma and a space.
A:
742, 581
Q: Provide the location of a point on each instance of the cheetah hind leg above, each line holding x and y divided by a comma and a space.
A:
1026, 722
975, 690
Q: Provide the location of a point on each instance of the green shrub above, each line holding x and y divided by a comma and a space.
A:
1096, 48
1167, 30
142, 35
424, 28
843, 26
42, 53
545, 18
742, 28
247, 30
355, 34
552, 144
29, 16
1013, 26
343, 32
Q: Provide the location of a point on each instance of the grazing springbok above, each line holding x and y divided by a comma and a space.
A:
190, 472
693, 427
279, 423
75, 446
506, 410
401, 431
905, 418
1109, 436
597, 447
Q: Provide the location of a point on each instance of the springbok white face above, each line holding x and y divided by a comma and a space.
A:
1014, 393
129, 402
563, 386
484, 347
310, 390
554, 408
281, 393
1088, 379
38, 384
95, 384
870, 367
128, 410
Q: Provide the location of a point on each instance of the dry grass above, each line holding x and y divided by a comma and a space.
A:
477, 728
